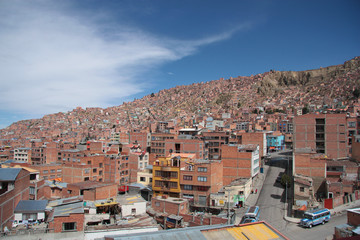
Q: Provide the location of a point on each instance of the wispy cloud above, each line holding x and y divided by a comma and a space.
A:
53, 61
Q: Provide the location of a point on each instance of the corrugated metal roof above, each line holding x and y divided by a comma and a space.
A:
9, 174
31, 206
253, 231
66, 210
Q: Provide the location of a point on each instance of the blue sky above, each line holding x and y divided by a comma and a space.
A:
57, 55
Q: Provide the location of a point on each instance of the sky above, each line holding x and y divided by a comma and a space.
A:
58, 55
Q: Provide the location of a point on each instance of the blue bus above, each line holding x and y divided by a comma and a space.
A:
315, 217
251, 215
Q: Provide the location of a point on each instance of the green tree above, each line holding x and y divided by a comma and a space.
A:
285, 180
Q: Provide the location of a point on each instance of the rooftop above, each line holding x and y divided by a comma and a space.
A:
258, 230
8, 174
31, 206
90, 184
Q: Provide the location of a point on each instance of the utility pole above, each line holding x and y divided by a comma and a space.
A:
228, 206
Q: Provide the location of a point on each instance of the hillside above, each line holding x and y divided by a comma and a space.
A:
274, 89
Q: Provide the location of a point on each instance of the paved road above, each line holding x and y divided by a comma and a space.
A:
271, 202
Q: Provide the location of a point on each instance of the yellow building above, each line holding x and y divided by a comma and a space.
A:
166, 174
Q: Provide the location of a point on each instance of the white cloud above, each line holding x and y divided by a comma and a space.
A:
52, 61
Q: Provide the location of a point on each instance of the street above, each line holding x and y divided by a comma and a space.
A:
272, 203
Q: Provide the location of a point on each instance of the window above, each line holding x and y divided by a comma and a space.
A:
302, 189
202, 188
94, 170
71, 226
45, 172
100, 172
142, 179
186, 177
32, 190
202, 169
59, 170
86, 179
173, 184
202, 179
100, 164
173, 174
89, 162
351, 124
157, 204
133, 211
188, 187
52, 170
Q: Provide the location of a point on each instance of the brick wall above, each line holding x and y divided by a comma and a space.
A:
10, 199
305, 165
353, 218
235, 164
161, 205
57, 223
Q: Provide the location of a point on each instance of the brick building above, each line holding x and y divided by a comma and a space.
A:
15, 184
184, 144
213, 142
158, 141
67, 215
240, 161
324, 133
181, 175
170, 205
257, 138
92, 191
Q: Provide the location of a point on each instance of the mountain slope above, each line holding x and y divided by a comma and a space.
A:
276, 89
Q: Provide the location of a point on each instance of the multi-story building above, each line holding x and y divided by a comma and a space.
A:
351, 131
166, 176
158, 141
22, 155
275, 142
49, 171
200, 178
185, 144
213, 142
84, 169
14, 186
240, 161
324, 133
257, 138
181, 175
141, 138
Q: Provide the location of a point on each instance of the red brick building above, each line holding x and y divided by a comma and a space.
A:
170, 205
15, 184
184, 145
92, 191
66, 215
240, 161
257, 138
323, 133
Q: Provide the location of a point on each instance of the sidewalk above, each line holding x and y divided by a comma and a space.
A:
251, 200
